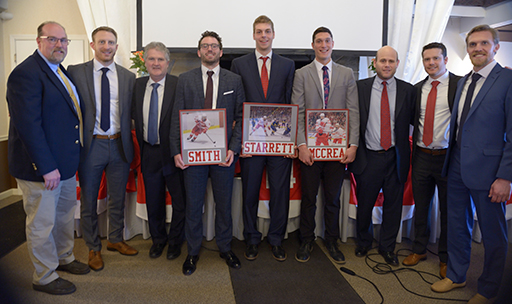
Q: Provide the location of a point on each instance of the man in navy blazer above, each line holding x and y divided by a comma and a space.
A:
228, 93
157, 165
277, 90
479, 166
430, 143
44, 151
379, 163
106, 88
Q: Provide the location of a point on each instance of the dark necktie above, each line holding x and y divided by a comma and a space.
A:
326, 85
428, 126
467, 105
153, 116
105, 101
208, 99
385, 123
264, 75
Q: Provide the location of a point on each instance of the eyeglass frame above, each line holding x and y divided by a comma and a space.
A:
63, 41
214, 46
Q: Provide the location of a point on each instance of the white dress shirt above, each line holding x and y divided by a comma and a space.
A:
115, 121
215, 79
372, 135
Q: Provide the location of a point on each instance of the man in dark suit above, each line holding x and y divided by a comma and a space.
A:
153, 98
323, 84
383, 157
434, 104
479, 166
106, 89
44, 151
274, 87
209, 86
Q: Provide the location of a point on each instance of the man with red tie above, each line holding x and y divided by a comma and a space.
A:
382, 162
434, 104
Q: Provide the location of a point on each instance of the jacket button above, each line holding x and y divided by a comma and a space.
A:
76, 141
76, 127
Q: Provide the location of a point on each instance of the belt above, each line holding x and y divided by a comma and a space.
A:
111, 137
383, 151
433, 151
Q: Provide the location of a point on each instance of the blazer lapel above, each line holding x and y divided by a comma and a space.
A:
89, 78
485, 88
255, 74
166, 101
274, 70
400, 96
139, 101
121, 81
314, 76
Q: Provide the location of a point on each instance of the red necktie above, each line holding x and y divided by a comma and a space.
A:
208, 99
428, 126
264, 75
385, 123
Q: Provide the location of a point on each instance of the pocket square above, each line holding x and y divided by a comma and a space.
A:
228, 92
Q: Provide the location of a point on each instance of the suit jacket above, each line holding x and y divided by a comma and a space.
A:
165, 117
83, 78
486, 141
43, 130
308, 94
452, 88
404, 113
280, 78
190, 95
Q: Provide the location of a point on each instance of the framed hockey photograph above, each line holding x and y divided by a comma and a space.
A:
269, 129
326, 133
203, 136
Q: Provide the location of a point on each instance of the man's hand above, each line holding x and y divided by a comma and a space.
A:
229, 159
295, 153
52, 179
178, 161
350, 155
305, 155
245, 155
500, 191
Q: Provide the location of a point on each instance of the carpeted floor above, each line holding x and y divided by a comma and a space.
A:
12, 227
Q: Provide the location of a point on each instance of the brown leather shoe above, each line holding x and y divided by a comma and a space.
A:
479, 299
122, 247
95, 260
446, 285
442, 269
414, 259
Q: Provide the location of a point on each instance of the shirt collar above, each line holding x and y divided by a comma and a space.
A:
443, 79
98, 66
389, 82
319, 66
215, 70
52, 66
485, 71
161, 82
258, 55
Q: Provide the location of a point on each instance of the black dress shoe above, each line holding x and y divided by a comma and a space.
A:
304, 252
251, 252
361, 251
335, 252
389, 257
278, 253
231, 259
173, 251
58, 286
156, 250
75, 267
190, 264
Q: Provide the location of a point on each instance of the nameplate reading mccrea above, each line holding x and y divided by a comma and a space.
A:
269, 129
203, 136
326, 133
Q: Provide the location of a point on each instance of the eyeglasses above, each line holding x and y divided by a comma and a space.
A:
214, 46
53, 40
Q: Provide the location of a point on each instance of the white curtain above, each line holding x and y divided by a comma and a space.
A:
411, 26
119, 15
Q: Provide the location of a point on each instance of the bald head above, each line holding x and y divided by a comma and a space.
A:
386, 62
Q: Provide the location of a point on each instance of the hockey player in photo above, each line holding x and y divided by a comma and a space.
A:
261, 123
322, 138
324, 123
338, 135
202, 125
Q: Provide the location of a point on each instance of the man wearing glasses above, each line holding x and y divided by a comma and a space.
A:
44, 149
209, 87
106, 89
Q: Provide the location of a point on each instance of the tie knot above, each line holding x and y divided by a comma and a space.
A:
475, 77
210, 73
384, 83
325, 68
264, 58
105, 70
435, 83
155, 85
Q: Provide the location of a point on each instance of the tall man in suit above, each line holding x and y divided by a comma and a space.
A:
210, 87
44, 151
383, 157
153, 98
267, 78
323, 84
479, 166
106, 89
434, 104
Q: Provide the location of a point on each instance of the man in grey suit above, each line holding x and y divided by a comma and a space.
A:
106, 89
323, 84
209, 87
